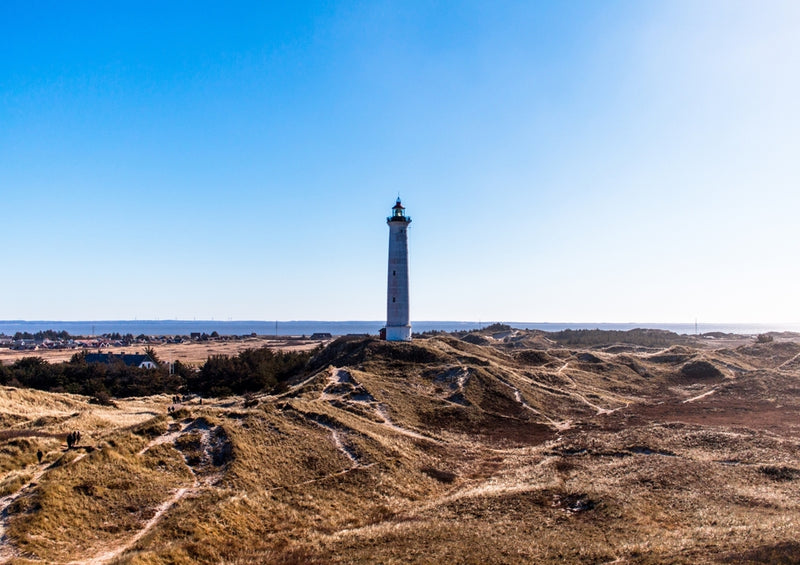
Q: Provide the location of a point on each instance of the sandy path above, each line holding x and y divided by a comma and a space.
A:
335, 377
118, 550
599, 409
380, 410
337, 441
167, 437
699, 396
7, 552
510, 483
320, 479
338, 375
521, 401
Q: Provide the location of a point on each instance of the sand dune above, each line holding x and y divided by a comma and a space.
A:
503, 450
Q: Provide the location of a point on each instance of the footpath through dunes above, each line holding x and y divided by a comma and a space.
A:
502, 447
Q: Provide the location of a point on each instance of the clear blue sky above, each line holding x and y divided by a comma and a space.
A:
562, 161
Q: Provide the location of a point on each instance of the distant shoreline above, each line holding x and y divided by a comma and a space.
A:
308, 327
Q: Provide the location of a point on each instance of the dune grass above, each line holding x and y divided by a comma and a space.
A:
435, 451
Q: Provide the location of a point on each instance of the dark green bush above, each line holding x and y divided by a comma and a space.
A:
253, 370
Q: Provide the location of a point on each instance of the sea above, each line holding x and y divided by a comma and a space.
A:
308, 327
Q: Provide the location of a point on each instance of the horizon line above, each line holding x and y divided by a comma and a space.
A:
482, 322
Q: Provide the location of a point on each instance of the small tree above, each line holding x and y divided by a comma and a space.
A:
79, 357
151, 352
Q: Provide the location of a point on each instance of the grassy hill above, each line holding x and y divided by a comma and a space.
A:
495, 447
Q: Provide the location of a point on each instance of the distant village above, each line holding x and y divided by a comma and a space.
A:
24, 341
52, 340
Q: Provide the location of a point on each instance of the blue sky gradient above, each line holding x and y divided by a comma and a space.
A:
562, 161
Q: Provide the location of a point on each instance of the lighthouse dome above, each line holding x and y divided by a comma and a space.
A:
398, 213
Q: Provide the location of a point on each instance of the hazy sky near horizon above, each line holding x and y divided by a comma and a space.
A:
562, 161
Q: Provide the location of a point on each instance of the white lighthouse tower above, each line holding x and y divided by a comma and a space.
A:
398, 324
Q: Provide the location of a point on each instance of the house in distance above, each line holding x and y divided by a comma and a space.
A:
141, 360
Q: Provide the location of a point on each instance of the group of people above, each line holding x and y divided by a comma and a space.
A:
72, 439
177, 399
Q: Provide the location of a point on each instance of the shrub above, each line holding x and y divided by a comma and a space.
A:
253, 370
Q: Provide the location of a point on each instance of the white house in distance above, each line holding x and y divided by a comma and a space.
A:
398, 324
141, 360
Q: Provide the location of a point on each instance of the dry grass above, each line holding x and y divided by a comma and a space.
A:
14, 481
435, 451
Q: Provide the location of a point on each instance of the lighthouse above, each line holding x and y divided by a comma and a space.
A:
398, 324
